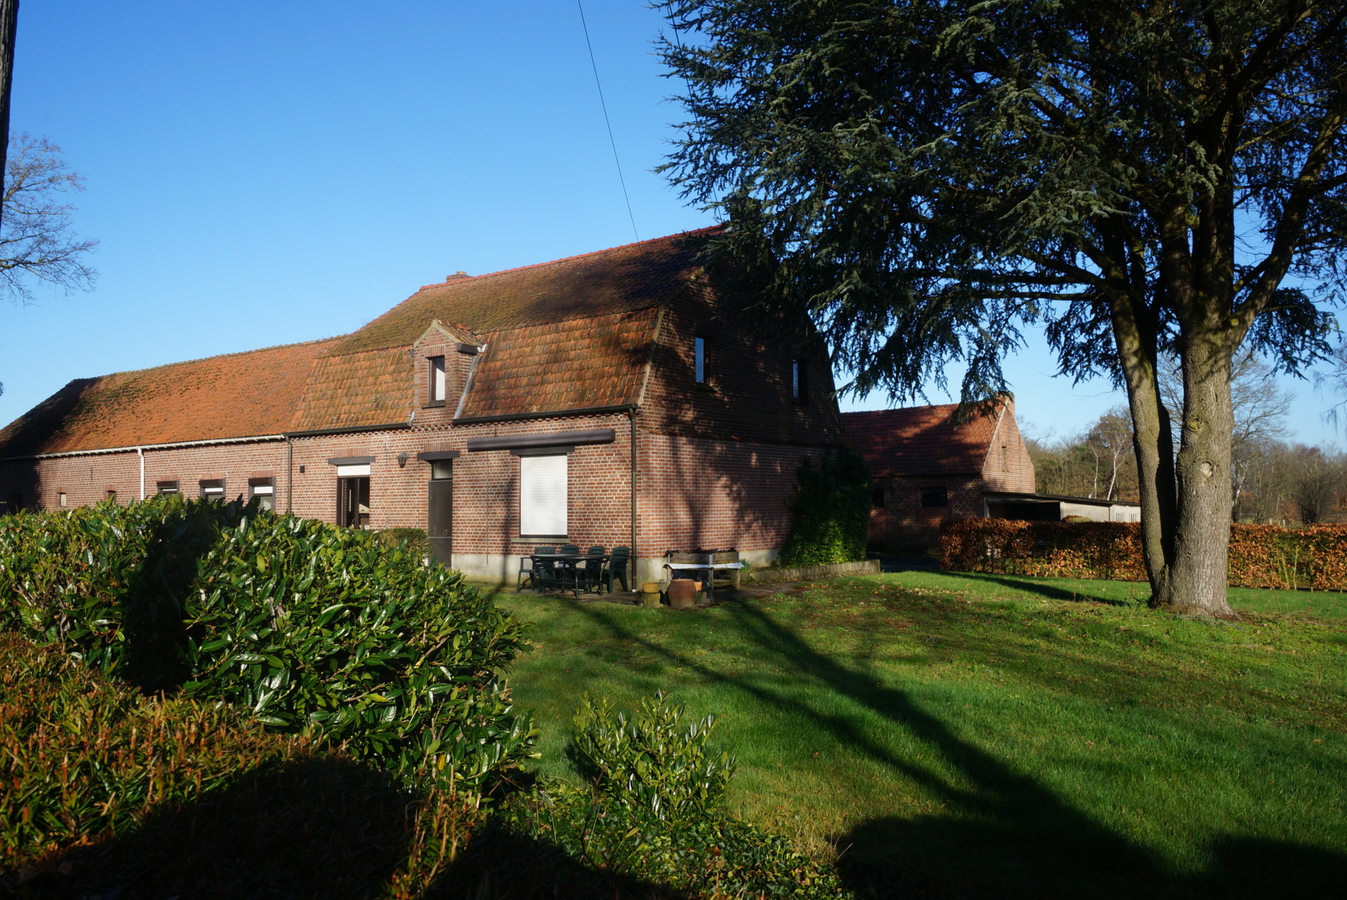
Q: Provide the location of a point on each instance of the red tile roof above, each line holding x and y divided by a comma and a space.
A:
237, 395
922, 440
569, 334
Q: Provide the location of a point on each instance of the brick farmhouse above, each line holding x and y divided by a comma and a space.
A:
610, 398
934, 463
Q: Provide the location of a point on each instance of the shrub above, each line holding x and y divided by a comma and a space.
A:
105, 792
649, 764
1260, 556
830, 515
708, 856
415, 540
320, 631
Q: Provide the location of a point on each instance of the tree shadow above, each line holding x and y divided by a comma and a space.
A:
1032, 585
318, 827
1006, 834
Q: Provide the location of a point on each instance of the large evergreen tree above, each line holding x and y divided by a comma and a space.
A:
925, 177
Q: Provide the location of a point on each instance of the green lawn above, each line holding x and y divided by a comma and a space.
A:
949, 735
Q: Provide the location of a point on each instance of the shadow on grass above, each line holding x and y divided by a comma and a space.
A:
1005, 834
318, 827
1040, 587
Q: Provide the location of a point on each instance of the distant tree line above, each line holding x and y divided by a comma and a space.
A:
1273, 480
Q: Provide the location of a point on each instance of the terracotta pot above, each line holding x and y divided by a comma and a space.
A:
682, 593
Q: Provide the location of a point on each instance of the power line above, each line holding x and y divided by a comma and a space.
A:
606, 121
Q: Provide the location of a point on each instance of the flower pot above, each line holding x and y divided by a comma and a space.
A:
650, 587
682, 593
650, 598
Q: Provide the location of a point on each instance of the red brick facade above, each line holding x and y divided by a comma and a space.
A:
714, 462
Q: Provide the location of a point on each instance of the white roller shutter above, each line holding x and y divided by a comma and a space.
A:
542, 495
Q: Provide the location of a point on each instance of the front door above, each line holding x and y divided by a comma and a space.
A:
440, 511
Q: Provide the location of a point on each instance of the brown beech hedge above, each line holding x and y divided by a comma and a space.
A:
1261, 556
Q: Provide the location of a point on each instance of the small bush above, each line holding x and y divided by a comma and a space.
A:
414, 540
830, 516
650, 764
708, 856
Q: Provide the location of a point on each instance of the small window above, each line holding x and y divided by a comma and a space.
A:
61, 500
264, 491
166, 487
700, 364
441, 469
112, 495
877, 498
212, 489
934, 496
436, 379
799, 384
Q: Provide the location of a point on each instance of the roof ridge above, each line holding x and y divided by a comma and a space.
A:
460, 279
187, 362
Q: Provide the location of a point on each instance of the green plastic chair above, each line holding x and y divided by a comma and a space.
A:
528, 568
617, 567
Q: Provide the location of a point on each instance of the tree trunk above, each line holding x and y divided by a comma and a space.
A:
1200, 573
9, 23
1152, 441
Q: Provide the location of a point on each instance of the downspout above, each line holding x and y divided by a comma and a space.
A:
140, 451
635, 560
289, 474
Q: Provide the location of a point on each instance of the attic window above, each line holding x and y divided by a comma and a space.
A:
212, 489
700, 363
799, 382
436, 379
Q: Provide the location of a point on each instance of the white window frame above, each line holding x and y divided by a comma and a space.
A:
544, 482
437, 383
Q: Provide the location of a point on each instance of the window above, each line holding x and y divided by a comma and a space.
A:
61, 500
353, 497
934, 496
799, 385
264, 491
700, 368
212, 489
877, 498
542, 495
436, 379
112, 495
166, 487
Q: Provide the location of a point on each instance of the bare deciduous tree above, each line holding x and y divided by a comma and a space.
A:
9, 24
38, 241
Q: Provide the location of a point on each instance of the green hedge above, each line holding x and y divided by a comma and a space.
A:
318, 630
1261, 556
830, 516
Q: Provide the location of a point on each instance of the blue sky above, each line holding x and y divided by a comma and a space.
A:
266, 173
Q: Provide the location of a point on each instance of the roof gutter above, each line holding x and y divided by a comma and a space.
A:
553, 414
141, 448
351, 429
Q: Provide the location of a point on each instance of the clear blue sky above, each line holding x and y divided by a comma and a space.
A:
266, 173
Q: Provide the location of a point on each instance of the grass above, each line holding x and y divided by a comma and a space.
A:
947, 735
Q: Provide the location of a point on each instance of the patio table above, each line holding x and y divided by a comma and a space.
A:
567, 566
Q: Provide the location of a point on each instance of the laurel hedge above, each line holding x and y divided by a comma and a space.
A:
1261, 556
319, 631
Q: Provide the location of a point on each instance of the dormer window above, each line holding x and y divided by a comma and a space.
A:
436, 379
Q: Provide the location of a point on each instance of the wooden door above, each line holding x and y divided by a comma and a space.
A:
440, 514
